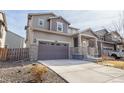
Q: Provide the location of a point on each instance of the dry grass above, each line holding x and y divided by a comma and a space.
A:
109, 61
117, 64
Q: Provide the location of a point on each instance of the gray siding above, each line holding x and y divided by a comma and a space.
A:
108, 38
13, 40
106, 45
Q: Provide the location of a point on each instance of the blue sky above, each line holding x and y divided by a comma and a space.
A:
17, 19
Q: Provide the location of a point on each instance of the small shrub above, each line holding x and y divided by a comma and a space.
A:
38, 72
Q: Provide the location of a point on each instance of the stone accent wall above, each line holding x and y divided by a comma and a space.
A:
33, 52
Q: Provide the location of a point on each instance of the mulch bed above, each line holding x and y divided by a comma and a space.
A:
19, 72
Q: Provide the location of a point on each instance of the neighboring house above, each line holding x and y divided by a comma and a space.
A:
14, 40
9, 39
3, 29
109, 41
85, 44
51, 37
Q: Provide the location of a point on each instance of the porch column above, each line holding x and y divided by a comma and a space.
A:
101, 49
79, 45
96, 47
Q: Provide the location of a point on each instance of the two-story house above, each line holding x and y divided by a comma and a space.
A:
108, 41
3, 29
51, 37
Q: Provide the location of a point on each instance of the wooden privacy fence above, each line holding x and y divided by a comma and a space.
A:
14, 54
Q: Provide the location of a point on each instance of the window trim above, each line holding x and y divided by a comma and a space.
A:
39, 20
60, 23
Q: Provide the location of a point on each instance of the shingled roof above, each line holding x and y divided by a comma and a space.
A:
101, 32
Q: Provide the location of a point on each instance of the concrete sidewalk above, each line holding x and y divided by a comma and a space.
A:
78, 71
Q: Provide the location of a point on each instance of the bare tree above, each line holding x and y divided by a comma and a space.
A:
119, 24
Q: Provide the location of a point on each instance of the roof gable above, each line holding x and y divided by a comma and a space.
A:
89, 32
59, 17
114, 32
101, 32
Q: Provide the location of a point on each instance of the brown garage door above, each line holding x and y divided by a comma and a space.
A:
47, 51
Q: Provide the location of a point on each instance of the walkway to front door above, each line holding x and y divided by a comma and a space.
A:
78, 71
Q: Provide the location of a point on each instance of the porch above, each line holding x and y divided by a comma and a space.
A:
84, 46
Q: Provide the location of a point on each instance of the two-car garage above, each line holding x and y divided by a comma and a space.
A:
52, 50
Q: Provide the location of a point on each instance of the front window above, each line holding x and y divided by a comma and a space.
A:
41, 23
59, 26
115, 36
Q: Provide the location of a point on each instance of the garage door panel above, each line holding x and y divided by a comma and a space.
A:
52, 51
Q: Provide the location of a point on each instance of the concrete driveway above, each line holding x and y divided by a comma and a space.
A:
78, 71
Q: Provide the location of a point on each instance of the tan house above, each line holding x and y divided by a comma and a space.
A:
3, 29
50, 37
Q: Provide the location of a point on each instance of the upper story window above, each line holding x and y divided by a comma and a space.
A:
59, 26
115, 36
41, 22
102, 38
